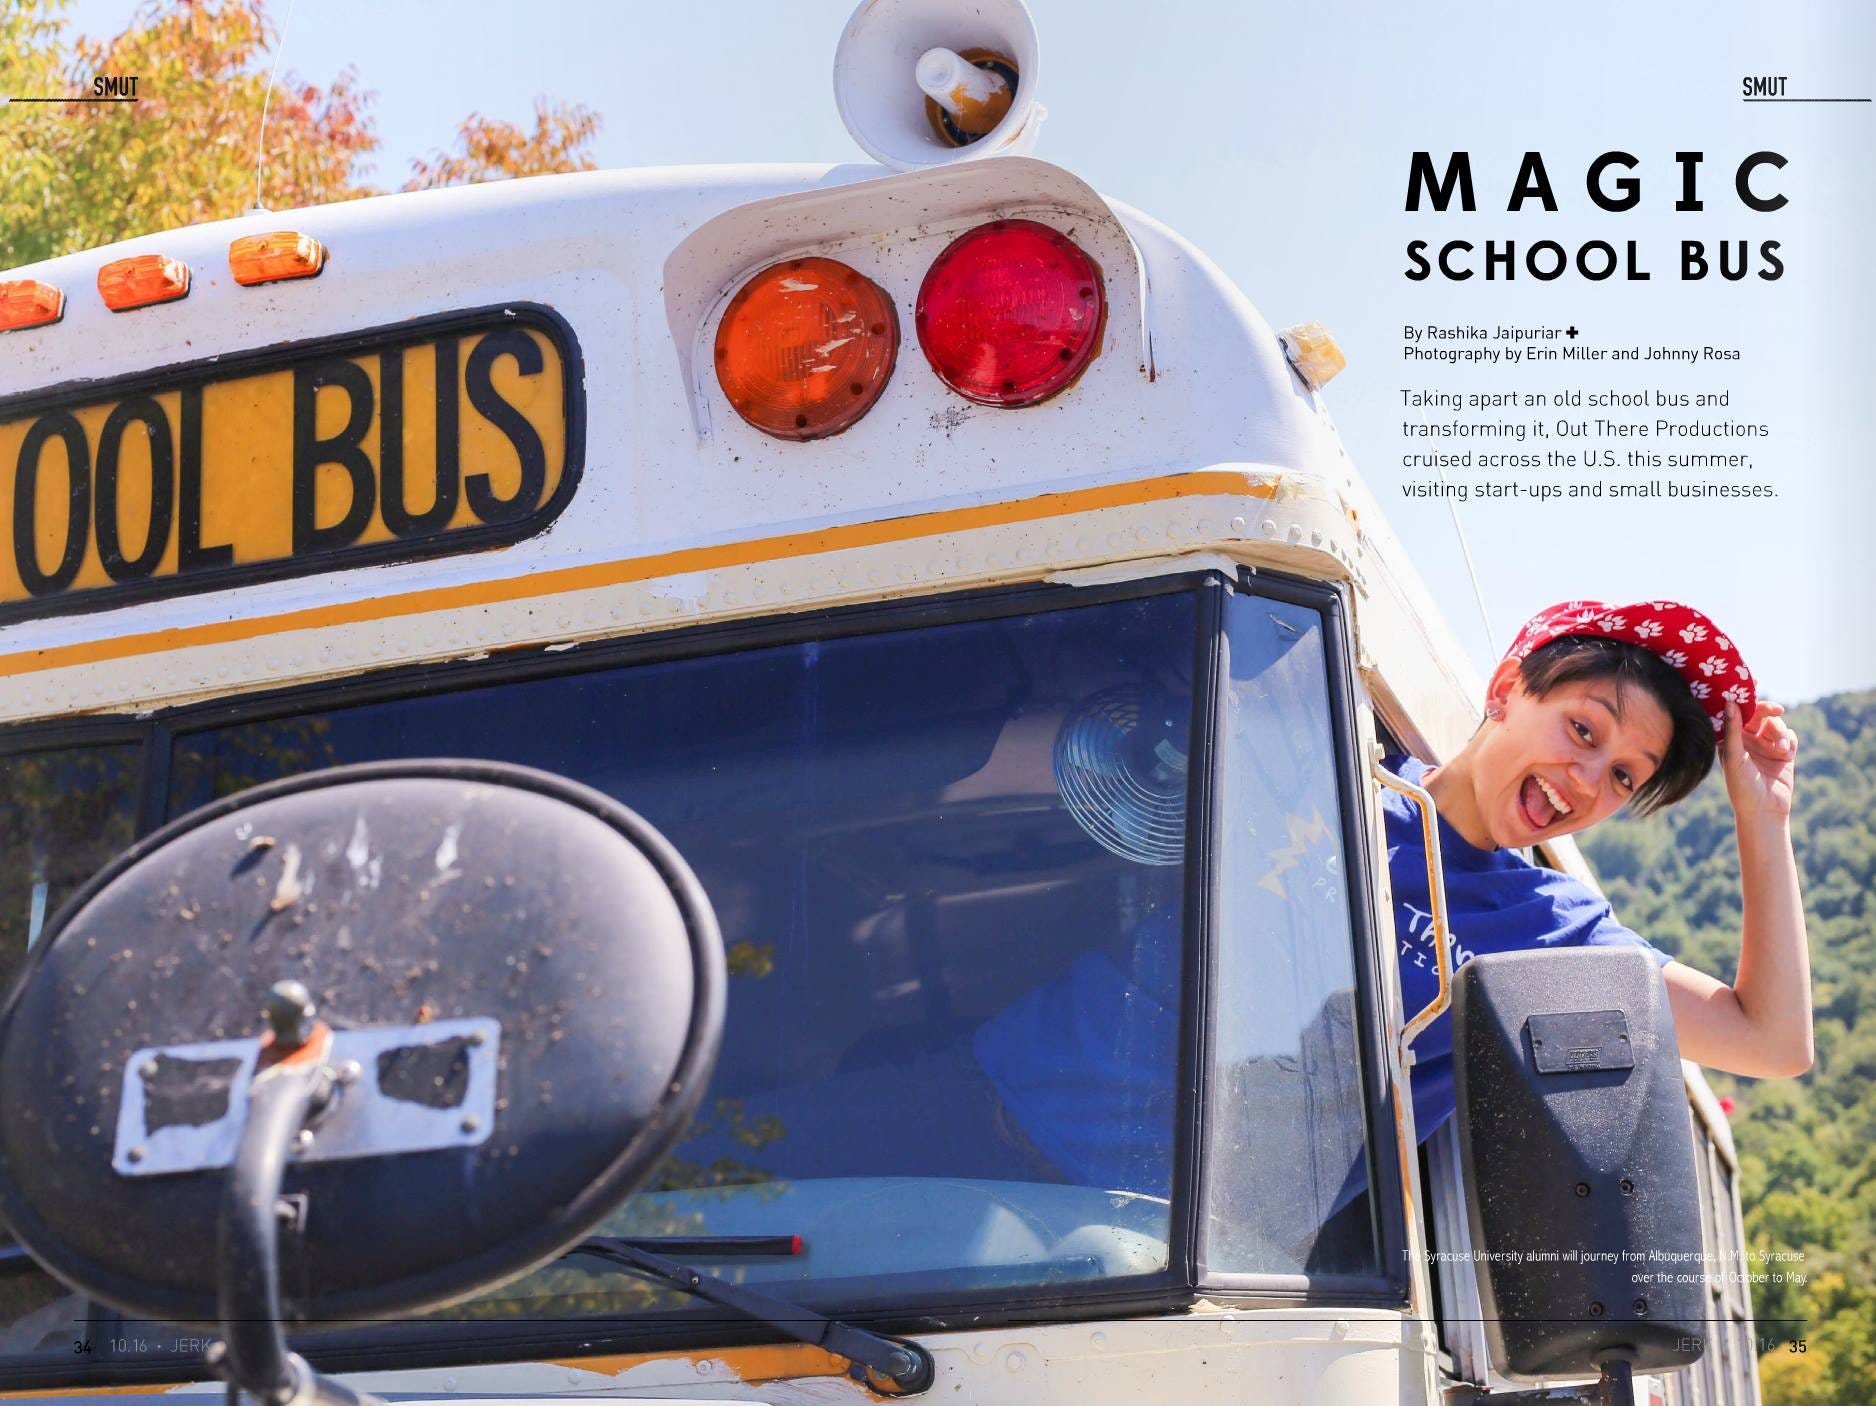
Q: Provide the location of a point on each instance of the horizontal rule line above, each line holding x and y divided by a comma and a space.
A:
1806, 100
74, 100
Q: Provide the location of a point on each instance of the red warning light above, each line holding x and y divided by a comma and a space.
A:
1011, 313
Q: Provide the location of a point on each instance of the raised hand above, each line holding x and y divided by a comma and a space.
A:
1760, 759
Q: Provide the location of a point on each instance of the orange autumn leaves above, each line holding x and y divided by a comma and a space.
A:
491, 150
77, 176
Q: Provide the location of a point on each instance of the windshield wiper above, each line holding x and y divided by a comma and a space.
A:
889, 1365
892, 1366
712, 1247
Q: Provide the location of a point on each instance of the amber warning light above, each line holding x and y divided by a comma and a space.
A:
806, 347
141, 280
268, 258
26, 302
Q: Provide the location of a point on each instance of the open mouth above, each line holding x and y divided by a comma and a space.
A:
1541, 803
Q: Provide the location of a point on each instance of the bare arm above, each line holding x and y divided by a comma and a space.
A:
1761, 1025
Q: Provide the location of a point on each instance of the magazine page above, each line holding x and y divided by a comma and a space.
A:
955, 699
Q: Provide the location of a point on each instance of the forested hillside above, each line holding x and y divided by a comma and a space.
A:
1807, 1146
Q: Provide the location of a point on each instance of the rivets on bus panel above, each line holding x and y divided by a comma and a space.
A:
26, 302
142, 280
269, 258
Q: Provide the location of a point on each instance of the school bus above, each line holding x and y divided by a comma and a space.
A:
955, 566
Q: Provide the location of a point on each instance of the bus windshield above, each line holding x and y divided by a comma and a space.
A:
947, 848
948, 864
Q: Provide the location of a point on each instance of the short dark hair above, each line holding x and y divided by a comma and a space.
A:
1691, 746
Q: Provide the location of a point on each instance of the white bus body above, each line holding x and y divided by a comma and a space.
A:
1189, 444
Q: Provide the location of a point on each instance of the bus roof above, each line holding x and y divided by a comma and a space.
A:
1190, 432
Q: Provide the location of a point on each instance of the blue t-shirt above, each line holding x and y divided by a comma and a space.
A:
1085, 1063
1496, 901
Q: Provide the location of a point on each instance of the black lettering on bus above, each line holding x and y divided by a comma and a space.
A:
397, 516
191, 555
310, 451
62, 425
145, 411
511, 422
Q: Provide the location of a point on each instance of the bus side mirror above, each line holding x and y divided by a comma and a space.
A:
1579, 1164
492, 999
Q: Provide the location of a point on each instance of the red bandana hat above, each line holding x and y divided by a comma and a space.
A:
1689, 642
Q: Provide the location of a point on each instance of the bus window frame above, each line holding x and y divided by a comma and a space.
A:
1184, 1281
1390, 1287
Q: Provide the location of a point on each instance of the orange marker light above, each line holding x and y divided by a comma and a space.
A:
141, 280
1313, 352
268, 258
26, 302
806, 347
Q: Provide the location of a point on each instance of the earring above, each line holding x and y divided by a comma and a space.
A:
1494, 712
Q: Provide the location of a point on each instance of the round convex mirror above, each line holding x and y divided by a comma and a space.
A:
524, 987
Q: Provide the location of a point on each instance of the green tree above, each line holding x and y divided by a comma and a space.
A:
28, 64
1807, 1147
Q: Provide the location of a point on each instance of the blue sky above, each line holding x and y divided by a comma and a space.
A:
1277, 137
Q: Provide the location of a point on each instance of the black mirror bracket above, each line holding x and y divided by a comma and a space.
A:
1616, 1387
293, 1083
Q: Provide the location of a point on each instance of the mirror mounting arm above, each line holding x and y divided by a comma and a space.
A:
1441, 931
1616, 1387
293, 1082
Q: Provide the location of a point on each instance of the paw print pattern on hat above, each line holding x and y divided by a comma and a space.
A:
1688, 641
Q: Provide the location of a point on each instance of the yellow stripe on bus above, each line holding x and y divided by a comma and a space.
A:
147, 1389
749, 1366
1208, 482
